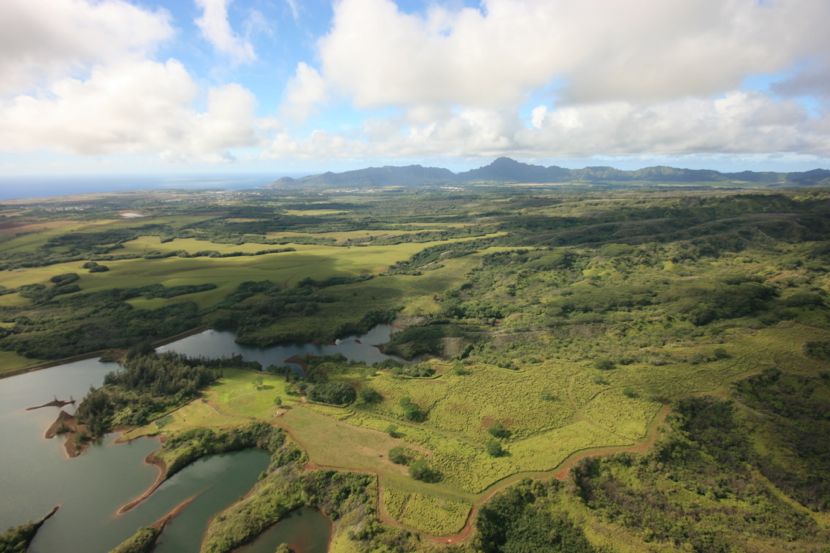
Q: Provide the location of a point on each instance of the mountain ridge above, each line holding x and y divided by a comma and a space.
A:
509, 171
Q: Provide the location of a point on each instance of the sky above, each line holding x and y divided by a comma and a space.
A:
303, 86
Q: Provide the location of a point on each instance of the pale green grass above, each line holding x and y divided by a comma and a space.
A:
331, 442
286, 268
12, 300
434, 515
314, 212
236, 400
11, 361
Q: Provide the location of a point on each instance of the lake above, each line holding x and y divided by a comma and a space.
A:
35, 474
305, 531
214, 343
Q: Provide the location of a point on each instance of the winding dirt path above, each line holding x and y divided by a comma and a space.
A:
561, 472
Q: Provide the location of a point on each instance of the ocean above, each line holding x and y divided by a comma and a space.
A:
12, 188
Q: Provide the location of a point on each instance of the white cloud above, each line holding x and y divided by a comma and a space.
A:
303, 93
638, 50
294, 8
625, 79
216, 29
40, 40
537, 116
132, 107
812, 80
739, 123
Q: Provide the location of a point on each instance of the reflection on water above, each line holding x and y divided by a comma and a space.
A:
305, 531
35, 474
214, 343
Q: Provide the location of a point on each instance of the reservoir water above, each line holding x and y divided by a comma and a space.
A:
214, 343
35, 474
305, 531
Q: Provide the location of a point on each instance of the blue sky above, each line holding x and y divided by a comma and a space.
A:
293, 86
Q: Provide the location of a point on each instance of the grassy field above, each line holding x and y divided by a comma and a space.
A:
237, 400
11, 362
432, 514
286, 268
550, 430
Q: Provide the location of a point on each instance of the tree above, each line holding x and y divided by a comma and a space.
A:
411, 411
334, 393
399, 456
494, 449
604, 364
369, 395
420, 470
498, 430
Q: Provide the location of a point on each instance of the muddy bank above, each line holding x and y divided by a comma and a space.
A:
173, 513
157, 462
67, 425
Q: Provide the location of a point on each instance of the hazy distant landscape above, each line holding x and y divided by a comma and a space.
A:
410, 276
509, 171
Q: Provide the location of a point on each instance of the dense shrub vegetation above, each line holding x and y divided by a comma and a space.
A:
679, 493
335, 393
143, 541
87, 322
524, 519
796, 411
18, 538
148, 385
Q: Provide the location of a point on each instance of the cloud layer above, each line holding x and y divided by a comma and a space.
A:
216, 29
135, 107
40, 40
635, 78
638, 50
540, 78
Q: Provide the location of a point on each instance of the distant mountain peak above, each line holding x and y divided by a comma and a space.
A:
508, 170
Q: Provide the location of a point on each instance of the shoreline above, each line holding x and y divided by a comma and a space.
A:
71, 429
98, 353
161, 478
156, 344
173, 513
